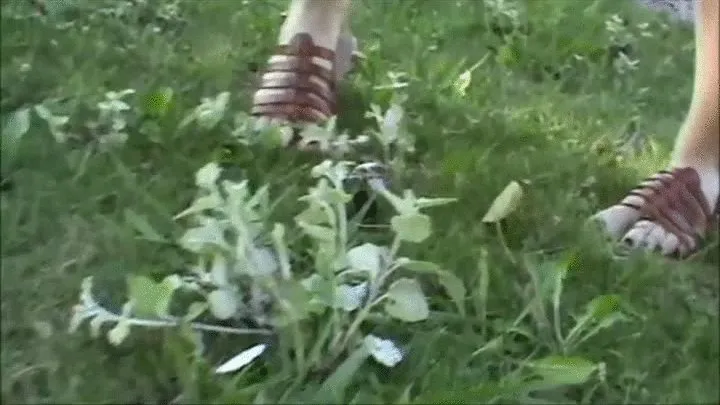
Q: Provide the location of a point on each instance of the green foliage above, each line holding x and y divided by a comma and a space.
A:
282, 279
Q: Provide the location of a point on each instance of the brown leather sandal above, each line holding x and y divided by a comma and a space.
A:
674, 200
296, 89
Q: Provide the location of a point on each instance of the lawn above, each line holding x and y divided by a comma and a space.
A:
574, 101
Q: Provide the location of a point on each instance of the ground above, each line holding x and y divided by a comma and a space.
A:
574, 105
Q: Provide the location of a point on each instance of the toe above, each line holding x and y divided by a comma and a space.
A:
637, 236
617, 219
655, 237
671, 245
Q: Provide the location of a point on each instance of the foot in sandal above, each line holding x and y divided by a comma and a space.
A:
674, 210
299, 84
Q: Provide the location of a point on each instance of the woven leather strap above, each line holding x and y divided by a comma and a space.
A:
299, 89
674, 200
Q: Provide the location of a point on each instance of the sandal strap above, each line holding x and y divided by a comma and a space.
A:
294, 89
674, 199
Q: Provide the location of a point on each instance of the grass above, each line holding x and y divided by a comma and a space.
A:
545, 108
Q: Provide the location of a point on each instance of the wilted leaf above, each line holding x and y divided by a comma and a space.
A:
505, 203
385, 351
406, 301
411, 227
241, 359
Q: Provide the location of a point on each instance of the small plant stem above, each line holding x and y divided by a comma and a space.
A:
504, 243
169, 323
358, 321
556, 314
299, 348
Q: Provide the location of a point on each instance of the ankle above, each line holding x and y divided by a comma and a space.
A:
321, 19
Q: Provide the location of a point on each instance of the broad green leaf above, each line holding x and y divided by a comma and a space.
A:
601, 312
242, 359
412, 227
15, 128
142, 290
294, 301
385, 351
119, 332
559, 370
403, 206
207, 176
149, 297
367, 257
211, 111
323, 291
333, 388
156, 103
142, 226
505, 203
223, 303
313, 214
454, 288
406, 301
